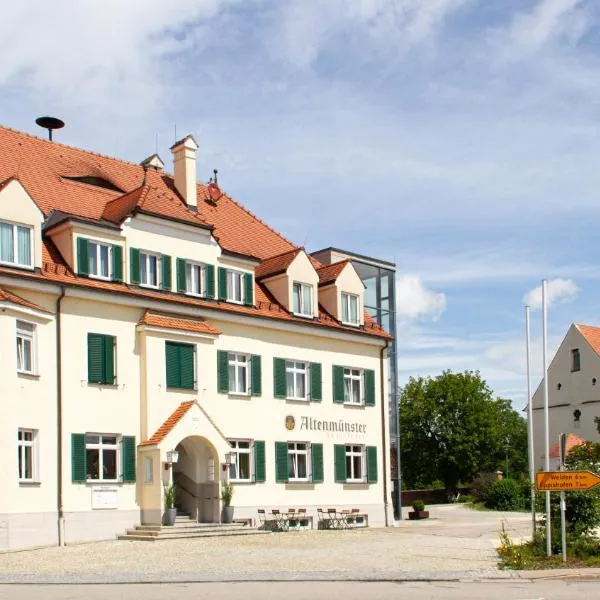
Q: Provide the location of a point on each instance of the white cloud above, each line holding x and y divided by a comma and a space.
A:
414, 300
558, 290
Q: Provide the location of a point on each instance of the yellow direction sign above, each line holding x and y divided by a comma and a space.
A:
565, 480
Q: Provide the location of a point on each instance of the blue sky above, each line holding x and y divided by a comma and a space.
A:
458, 138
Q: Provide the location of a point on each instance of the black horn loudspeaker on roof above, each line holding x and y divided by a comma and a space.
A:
50, 123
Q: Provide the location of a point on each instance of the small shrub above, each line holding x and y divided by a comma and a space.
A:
481, 485
169, 495
226, 494
418, 505
505, 494
465, 498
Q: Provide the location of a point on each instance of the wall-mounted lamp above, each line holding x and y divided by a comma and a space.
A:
172, 456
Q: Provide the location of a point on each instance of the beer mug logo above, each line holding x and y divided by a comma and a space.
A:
290, 422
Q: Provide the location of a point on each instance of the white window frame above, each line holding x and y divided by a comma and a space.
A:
109, 250
293, 452
100, 446
15, 262
22, 445
144, 262
353, 451
346, 303
304, 288
191, 277
237, 450
234, 359
31, 337
296, 369
234, 275
351, 374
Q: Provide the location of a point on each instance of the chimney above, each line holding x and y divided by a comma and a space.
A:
184, 166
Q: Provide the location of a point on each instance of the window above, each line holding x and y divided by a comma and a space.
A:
180, 362
101, 456
26, 454
238, 373
297, 461
100, 258
15, 244
354, 463
295, 373
195, 279
148, 470
353, 386
575, 360
25, 347
240, 470
302, 304
101, 359
234, 286
149, 270
350, 309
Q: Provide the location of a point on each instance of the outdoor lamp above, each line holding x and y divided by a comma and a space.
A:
172, 456
230, 458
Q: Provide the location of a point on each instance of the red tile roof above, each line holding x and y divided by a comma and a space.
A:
592, 336
276, 264
168, 321
572, 441
164, 430
7, 296
329, 273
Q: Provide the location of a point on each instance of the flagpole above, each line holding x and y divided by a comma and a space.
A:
546, 416
530, 420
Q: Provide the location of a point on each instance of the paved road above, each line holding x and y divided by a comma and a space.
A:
492, 590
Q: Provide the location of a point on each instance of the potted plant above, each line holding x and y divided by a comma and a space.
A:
169, 499
418, 511
227, 510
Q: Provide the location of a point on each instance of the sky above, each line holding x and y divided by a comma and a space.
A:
459, 139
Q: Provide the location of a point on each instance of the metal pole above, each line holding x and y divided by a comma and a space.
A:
563, 501
530, 422
546, 417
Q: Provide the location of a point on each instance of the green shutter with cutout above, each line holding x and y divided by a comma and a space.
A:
78, 458
279, 383
248, 290
281, 462
338, 384
187, 380
109, 359
372, 464
96, 358
134, 266
260, 471
210, 281
83, 256
165, 270
181, 280
222, 273
128, 458
316, 392
255, 374
316, 458
222, 372
369, 376
339, 457
117, 263
172, 364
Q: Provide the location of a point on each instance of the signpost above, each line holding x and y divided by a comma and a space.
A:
569, 481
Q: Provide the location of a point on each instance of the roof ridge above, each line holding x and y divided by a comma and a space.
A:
296, 249
334, 264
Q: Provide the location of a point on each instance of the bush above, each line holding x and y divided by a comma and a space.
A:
418, 505
505, 494
481, 485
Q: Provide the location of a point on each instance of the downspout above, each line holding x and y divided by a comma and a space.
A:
59, 453
383, 438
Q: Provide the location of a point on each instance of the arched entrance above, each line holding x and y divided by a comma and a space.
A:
196, 477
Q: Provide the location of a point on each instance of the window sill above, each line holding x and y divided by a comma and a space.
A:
26, 375
303, 316
354, 405
239, 395
149, 287
242, 481
298, 400
103, 482
16, 265
363, 485
97, 384
182, 389
100, 277
29, 483
349, 324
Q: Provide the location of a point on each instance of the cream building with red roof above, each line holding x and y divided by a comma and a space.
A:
143, 312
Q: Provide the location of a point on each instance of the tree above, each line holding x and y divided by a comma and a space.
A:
453, 428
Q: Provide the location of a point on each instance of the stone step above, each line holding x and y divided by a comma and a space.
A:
144, 536
156, 530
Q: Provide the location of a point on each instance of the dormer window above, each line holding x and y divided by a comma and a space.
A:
350, 309
195, 278
149, 269
234, 286
99, 260
303, 303
15, 245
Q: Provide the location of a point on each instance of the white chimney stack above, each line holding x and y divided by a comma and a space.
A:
184, 166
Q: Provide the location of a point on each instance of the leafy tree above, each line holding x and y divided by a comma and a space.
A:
453, 428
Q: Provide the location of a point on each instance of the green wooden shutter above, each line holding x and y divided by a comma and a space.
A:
248, 290
260, 471
222, 371
222, 283
134, 266
369, 381
83, 257
281, 462
172, 364
256, 379
339, 456
316, 457
279, 384
316, 393
372, 464
78, 458
109, 359
165, 269
181, 282
96, 358
338, 384
210, 281
117, 263
128, 458
186, 367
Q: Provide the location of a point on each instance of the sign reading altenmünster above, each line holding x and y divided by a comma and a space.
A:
340, 425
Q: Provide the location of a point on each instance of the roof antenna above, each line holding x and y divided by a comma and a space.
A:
175, 131
216, 177
50, 123
156, 142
